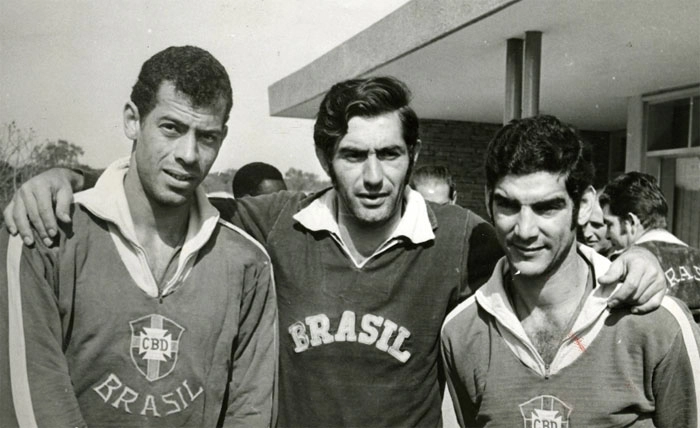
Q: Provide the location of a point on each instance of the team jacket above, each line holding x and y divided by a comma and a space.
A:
359, 341
90, 338
680, 263
614, 368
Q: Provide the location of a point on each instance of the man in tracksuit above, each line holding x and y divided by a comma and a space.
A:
537, 346
366, 270
149, 310
635, 211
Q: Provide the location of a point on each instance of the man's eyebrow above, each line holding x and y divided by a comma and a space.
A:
501, 199
351, 149
555, 202
169, 118
392, 148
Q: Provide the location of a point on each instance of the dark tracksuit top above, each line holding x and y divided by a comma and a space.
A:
681, 265
91, 339
359, 341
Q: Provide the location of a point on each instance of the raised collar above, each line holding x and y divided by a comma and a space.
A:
416, 224
493, 298
662, 235
107, 200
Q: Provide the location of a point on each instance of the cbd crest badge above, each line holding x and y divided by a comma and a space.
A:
545, 411
155, 342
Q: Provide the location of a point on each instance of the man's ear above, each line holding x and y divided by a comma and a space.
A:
487, 202
585, 208
633, 226
321, 156
633, 219
416, 150
132, 123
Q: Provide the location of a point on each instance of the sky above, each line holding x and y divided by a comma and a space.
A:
67, 67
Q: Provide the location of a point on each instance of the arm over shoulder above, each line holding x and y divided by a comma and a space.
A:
257, 215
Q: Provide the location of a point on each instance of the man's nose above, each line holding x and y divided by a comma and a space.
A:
526, 225
186, 149
372, 173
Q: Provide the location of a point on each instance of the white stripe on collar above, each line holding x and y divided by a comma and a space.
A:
662, 235
107, 200
414, 225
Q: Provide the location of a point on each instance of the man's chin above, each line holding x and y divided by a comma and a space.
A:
371, 217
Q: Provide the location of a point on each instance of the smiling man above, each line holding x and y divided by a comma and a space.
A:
148, 310
594, 232
537, 346
365, 271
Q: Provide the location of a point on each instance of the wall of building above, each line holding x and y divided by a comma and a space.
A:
461, 147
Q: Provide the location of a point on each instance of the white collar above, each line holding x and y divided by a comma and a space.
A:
493, 299
414, 224
107, 200
662, 235
492, 295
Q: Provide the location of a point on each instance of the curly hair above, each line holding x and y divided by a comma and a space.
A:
540, 143
368, 97
193, 71
247, 180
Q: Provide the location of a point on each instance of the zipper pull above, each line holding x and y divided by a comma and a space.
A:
546, 371
160, 297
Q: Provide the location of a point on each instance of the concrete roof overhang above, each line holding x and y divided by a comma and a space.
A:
452, 55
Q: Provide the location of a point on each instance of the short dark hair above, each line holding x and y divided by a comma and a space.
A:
247, 180
638, 193
368, 97
540, 143
434, 172
193, 71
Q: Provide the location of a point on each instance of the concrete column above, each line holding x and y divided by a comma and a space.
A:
514, 80
531, 73
635, 151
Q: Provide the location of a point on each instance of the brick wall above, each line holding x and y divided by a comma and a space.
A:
461, 147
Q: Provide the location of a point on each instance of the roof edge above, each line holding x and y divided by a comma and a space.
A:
410, 27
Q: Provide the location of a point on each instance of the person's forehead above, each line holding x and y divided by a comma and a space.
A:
596, 213
269, 185
432, 186
532, 188
609, 216
373, 133
170, 101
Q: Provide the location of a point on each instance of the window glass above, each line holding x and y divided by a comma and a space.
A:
667, 125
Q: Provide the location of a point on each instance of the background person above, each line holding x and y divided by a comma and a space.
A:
365, 271
594, 232
635, 212
435, 184
537, 345
148, 311
257, 178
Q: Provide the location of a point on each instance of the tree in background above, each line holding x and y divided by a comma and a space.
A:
22, 157
297, 179
219, 182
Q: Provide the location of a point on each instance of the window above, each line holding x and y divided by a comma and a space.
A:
672, 132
